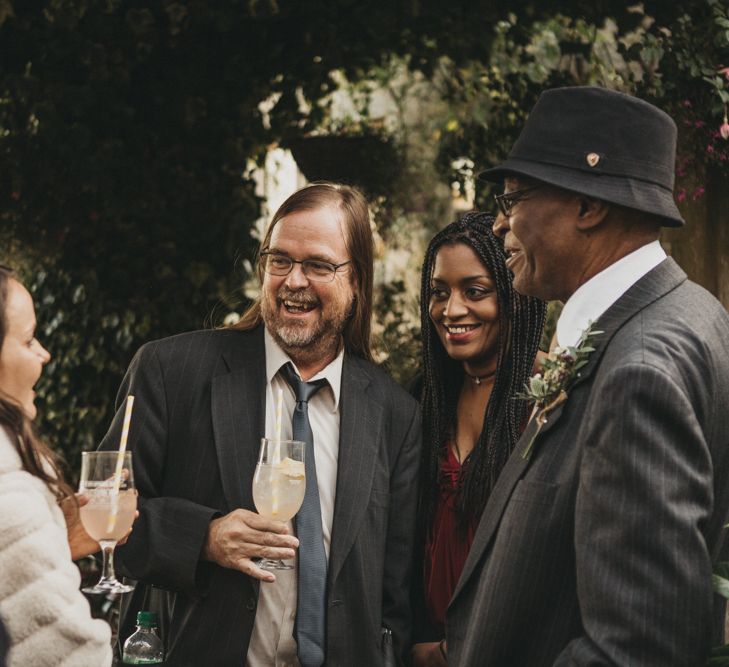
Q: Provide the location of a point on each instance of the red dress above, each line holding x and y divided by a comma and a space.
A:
447, 545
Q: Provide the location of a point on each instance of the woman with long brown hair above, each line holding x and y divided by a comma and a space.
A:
46, 617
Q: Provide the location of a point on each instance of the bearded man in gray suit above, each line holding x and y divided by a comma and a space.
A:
597, 543
203, 402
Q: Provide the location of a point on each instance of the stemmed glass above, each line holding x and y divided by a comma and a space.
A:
278, 485
108, 481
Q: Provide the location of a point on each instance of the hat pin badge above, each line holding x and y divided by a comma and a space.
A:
592, 159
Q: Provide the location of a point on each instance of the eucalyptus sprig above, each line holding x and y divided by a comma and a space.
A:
548, 388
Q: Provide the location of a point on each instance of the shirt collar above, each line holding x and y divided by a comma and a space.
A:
593, 298
276, 358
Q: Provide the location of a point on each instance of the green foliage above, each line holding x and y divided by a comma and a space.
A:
128, 131
720, 579
123, 150
679, 59
719, 656
399, 337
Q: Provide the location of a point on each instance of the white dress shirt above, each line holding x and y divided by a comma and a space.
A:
593, 298
272, 641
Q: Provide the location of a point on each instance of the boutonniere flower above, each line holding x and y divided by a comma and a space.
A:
548, 389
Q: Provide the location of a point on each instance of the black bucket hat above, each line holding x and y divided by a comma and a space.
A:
600, 143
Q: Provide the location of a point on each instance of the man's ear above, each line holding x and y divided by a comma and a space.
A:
592, 213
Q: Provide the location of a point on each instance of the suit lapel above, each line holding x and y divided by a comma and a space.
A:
500, 494
655, 284
238, 411
359, 429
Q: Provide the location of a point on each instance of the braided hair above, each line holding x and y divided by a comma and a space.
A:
521, 320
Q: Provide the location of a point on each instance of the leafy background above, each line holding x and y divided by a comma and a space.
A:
130, 131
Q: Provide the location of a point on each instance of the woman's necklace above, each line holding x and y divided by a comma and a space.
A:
478, 379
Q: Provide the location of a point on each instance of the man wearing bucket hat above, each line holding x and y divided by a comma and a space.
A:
597, 543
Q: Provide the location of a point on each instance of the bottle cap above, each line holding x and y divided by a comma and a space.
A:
147, 618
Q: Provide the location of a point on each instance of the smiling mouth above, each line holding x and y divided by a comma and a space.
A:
511, 255
298, 306
463, 328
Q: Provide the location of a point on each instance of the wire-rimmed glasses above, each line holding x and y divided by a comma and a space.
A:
506, 201
317, 270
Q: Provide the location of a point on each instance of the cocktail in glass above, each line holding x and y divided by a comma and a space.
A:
278, 485
108, 482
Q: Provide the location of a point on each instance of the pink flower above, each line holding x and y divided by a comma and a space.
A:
710, 148
698, 193
724, 130
725, 72
681, 196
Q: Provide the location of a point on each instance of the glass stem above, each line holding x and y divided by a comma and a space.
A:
107, 569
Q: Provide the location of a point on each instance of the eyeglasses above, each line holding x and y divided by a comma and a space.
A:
315, 270
506, 201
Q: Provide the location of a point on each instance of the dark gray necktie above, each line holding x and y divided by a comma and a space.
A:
310, 626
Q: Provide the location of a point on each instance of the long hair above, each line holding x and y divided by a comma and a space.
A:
355, 217
521, 320
36, 457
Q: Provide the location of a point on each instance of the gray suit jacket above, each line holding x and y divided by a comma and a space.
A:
598, 550
198, 418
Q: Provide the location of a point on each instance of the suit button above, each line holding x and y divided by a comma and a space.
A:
251, 604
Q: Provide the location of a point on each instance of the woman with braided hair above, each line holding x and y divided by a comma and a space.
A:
480, 340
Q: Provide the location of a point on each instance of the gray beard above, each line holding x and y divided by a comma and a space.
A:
293, 336
302, 343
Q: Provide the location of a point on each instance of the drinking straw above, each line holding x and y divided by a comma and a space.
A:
277, 451
120, 464
279, 419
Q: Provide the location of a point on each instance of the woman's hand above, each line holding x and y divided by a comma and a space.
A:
428, 654
79, 541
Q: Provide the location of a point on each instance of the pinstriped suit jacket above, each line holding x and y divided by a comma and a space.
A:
198, 419
598, 550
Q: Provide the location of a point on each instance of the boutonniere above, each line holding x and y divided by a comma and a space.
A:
548, 389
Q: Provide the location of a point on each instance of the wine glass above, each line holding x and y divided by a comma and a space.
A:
108, 481
278, 485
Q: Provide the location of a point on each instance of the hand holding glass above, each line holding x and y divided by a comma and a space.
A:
278, 485
109, 514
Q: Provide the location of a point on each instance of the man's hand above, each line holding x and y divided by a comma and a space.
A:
428, 654
234, 539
